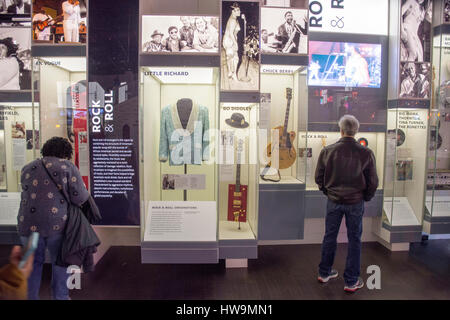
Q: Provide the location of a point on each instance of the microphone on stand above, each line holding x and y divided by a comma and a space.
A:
243, 17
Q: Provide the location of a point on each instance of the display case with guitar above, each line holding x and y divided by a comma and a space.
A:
285, 148
237, 193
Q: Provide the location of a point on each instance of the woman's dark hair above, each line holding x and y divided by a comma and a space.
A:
12, 50
10, 45
57, 147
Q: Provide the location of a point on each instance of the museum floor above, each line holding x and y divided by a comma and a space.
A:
280, 272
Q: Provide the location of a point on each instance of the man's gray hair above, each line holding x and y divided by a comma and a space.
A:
349, 125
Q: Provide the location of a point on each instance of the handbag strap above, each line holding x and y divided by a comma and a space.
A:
56, 185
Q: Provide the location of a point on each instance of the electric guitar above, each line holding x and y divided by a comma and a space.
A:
41, 25
285, 148
237, 194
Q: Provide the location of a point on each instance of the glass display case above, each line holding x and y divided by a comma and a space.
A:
237, 159
405, 166
178, 119
318, 140
62, 86
282, 119
282, 115
437, 203
19, 144
57, 107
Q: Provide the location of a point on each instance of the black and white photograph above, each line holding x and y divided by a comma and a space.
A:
168, 182
59, 21
15, 59
15, 12
284, 31
188, 34
240, 51
404, 170
286, 3
415, 30
305, 152
415, 80
447, 11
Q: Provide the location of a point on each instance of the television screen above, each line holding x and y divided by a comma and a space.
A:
344, 64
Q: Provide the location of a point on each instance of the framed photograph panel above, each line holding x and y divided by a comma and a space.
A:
15, 59
60, 21
284, 31
180, 34
14, 13
239, 48
415, 80
415, 30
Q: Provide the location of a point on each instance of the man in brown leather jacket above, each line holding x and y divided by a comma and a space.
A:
346, 173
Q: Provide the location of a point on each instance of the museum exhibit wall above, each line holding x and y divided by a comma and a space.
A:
314, 111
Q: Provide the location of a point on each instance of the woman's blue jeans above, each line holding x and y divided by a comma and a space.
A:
60, 291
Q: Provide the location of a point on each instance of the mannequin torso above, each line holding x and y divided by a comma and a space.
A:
184, 107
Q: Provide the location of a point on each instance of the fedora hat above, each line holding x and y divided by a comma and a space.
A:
237, 120
156, 32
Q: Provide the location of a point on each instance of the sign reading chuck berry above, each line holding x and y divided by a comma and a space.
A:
113, 112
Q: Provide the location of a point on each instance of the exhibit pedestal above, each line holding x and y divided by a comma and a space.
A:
236, 263
178, 252
281, 211
9, 235
396, 234
395, 247
436, 225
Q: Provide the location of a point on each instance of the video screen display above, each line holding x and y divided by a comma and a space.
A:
344, 64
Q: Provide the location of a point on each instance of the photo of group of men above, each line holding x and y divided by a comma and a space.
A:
180, 34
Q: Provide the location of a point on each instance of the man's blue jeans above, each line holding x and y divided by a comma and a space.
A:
353, 219
60, 290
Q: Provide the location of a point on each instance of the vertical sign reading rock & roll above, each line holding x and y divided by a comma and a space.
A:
113, 111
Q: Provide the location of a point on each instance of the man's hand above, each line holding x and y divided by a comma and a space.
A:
16, 256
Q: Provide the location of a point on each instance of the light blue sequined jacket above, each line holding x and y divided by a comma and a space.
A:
184, 146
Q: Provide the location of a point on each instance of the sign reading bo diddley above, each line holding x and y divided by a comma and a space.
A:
349, 16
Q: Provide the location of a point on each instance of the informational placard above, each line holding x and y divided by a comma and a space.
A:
305, 161
83, 152
411, 120
19, 148
9, 207
183, 182
181, 221
349, 16
226, 147
226, 172
114, 114
264, 111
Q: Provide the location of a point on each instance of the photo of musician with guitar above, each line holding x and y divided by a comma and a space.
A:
57, 21
285, 30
